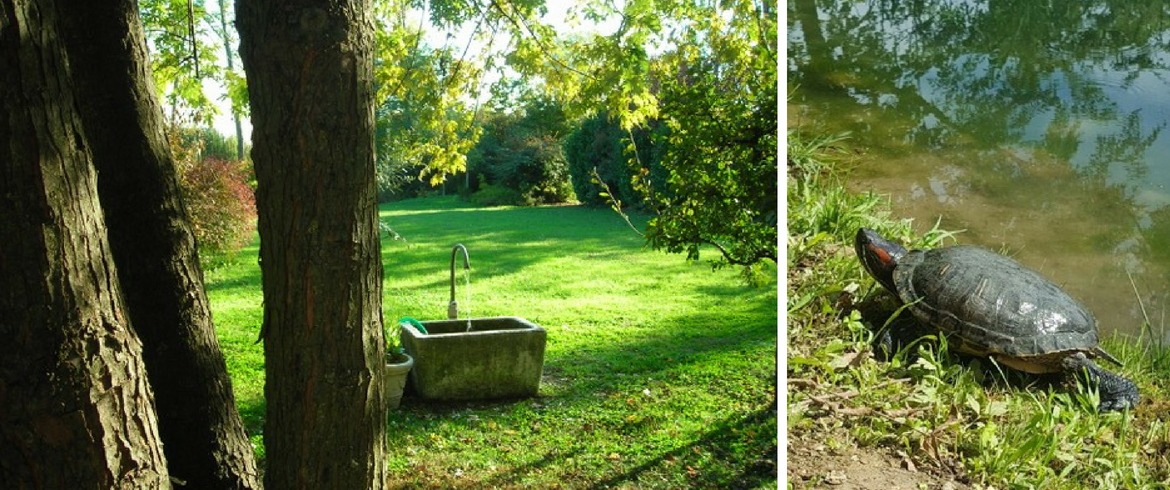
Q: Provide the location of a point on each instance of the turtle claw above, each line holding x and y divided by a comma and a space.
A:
1117, 405
1117, 393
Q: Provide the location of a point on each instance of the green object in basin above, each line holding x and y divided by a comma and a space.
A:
414, 323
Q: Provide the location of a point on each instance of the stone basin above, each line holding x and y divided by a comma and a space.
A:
500, 357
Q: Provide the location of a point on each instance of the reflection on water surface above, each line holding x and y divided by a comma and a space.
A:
1037, 127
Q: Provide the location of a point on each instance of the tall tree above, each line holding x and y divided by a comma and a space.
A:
78, 411
153, 246
310, 78
231, 79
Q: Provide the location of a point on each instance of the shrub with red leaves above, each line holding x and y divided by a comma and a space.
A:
219, 201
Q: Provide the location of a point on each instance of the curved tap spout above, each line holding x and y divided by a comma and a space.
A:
453, 306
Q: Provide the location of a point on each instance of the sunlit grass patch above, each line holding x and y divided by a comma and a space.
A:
659, 373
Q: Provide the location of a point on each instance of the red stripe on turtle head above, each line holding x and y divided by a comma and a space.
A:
881, 254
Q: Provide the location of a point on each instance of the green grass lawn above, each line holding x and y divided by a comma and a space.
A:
658, 373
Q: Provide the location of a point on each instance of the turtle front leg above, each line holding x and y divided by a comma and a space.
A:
897, 334
884, 345
1117, 393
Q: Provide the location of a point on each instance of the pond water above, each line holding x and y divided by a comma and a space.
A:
1039, 128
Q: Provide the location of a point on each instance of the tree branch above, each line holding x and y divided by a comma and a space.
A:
522, 26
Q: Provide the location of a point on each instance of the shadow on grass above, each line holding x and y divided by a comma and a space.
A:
689, 341
235, 274
252, 412
238, 284
501, 239
715, 451
752, 434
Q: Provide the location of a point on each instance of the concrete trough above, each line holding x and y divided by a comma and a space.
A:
500, 357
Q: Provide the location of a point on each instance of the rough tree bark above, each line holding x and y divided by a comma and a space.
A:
310, 80
153, 246
76, 409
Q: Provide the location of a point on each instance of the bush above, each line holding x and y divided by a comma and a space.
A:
596, 145
522, 152
600, 144
533, 169
495, 195
221, 205
538, 170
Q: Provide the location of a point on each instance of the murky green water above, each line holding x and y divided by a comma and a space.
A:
1038, 127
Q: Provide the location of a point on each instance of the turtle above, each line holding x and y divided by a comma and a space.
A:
992, 306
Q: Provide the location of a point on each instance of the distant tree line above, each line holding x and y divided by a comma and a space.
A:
534, 154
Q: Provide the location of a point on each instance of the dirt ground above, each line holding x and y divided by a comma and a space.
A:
812, 465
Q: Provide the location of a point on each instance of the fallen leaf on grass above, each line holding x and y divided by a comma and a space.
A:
858, 411
901, 412
849, 359
803, 383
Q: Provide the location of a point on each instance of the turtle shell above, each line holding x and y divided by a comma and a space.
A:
992, 304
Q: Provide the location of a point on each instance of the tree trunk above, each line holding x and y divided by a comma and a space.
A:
239, 134
153, 246
231, 67
76, 409
310, 81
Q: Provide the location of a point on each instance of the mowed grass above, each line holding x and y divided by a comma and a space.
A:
659, 373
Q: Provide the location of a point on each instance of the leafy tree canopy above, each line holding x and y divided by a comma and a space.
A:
704, 74
698, 76
423, 114
181, 56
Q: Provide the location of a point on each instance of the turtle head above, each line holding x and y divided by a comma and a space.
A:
879, 256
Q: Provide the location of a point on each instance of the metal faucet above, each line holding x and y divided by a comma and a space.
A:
453, 306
